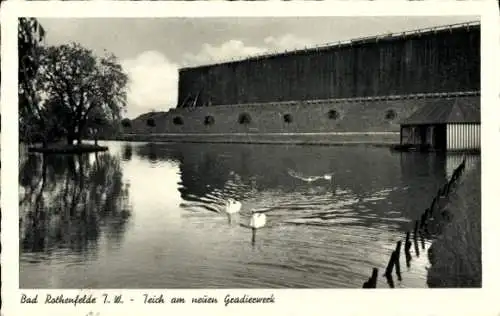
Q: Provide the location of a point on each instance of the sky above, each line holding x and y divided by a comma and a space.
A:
151, 50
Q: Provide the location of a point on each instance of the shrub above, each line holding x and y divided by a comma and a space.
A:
126, 123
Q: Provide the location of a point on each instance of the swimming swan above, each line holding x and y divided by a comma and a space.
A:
232, 206
258, 220
328, 176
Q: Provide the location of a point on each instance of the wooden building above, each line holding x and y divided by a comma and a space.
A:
435, 60
453, 125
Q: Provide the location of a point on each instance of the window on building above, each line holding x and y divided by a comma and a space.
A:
288, 118
390, 115
245, 118
209, 120
178, 120
333, 114
151, 122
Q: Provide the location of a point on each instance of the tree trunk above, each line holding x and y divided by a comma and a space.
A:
79, 135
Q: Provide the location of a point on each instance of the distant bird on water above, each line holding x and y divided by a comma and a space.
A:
309, 179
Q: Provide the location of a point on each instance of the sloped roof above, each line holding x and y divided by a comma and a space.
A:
445, 111
374, 38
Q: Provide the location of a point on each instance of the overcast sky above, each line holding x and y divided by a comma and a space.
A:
152, 50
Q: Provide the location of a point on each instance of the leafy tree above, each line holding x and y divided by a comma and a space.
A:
126, 123
30, 37
96, 124
88, 89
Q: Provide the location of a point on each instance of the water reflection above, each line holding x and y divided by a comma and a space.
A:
67, 202
322, 233
364, 180
127, 152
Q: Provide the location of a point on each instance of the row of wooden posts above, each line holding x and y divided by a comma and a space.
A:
422, 227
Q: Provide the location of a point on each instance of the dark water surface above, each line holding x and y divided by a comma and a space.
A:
150, 216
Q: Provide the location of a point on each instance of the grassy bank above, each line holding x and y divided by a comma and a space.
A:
456, 254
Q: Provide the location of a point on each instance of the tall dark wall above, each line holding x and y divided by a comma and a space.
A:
441, 61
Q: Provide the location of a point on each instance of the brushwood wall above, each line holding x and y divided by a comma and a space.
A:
433, 62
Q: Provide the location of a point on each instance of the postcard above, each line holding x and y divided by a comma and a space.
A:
230, 158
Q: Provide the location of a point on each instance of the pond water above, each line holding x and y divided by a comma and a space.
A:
151, 215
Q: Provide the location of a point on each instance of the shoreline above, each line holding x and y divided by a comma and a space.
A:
455, 255
387, 140
67, 149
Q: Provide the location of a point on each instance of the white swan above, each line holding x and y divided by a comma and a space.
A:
258, 220
232, 206
309, 179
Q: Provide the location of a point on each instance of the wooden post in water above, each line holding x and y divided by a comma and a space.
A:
415, 239
394, 261
444, 191
372, 281
390, 265
397, 262
452, 181
423, 220
448, 188
407, 249
422, 240
390, 281
433, 204
454, 176
407, 242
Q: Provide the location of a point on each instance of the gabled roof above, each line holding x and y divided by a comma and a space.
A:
446, 111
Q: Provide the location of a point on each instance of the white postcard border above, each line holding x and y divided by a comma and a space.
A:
288, 302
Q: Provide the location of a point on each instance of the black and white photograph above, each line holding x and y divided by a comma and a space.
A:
250, 152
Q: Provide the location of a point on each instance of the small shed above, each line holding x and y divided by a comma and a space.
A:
452, 124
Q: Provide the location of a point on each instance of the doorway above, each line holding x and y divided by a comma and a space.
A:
440, 137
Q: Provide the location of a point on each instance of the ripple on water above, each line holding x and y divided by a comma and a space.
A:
333, 255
